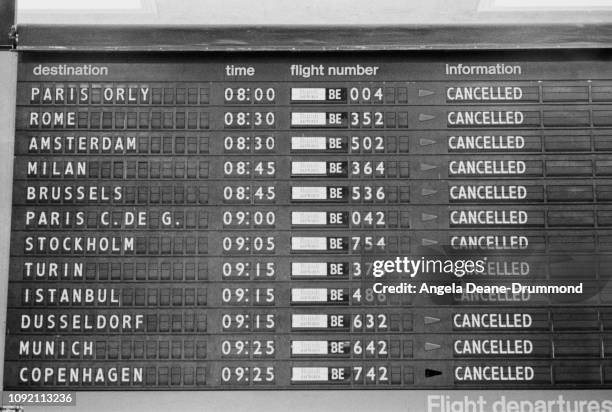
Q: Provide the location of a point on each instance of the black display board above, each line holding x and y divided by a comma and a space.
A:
311, 221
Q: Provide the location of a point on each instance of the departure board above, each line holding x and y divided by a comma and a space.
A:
227, 221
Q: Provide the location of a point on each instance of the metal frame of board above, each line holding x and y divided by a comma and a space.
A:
7, 21
108, 38
8, 86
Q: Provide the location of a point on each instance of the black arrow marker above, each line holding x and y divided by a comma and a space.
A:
430, 373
